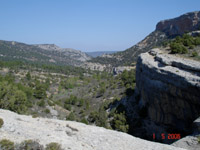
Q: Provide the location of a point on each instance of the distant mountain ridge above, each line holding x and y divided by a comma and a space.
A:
41, 53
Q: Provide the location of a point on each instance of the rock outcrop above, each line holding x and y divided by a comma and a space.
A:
71, 135
169, 87
178, 26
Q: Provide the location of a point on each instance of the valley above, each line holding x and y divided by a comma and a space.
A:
149, 90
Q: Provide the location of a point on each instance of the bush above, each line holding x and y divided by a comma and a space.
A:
99, 118
68, 107
41, 103
12, 98
50, 103
119, 122
71, 117
29, 145
53, 146
198, 139
194, 54
197, 41
47, 111
40, 90
6, 144
178, 48
84, 121
191, 46
1, 122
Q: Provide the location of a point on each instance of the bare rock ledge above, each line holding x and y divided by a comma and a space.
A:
71, 135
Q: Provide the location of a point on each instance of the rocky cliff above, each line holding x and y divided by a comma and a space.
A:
71, 135
178, 26
169, 87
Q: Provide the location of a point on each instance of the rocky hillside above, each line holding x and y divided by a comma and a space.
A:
164, 31
69, 52
44, 53
71, 135
100, 53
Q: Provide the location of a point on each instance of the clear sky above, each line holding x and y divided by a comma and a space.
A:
87, 25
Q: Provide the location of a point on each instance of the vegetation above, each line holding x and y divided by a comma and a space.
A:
6, 144
53, 146
178, 48
29, 145
119, 121
194, 54
71, 117
13, 96
1, 122
84, 95
198, 139
182, 44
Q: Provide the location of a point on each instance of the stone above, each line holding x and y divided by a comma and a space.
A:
71, 135
170, 87
178, 26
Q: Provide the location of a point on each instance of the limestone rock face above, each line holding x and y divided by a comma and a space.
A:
170, 88
178, 26
71, 135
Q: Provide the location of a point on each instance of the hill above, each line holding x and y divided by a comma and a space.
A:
43, 53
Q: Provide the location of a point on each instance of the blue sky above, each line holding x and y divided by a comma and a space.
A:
87, 25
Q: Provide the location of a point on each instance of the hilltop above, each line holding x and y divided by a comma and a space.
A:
41, 54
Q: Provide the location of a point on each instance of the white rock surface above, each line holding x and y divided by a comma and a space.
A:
71, 135
189, 142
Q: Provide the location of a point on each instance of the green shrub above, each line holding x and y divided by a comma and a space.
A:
194, 54
68, 107
71, 117
28, 76
84, 121
41, 103
6, 144
12, 98
29, 145
53, 146
197, 41
50, 103
178, 48
119, 122
198, 139
191, 47
47, 111
40, 90
1, 122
